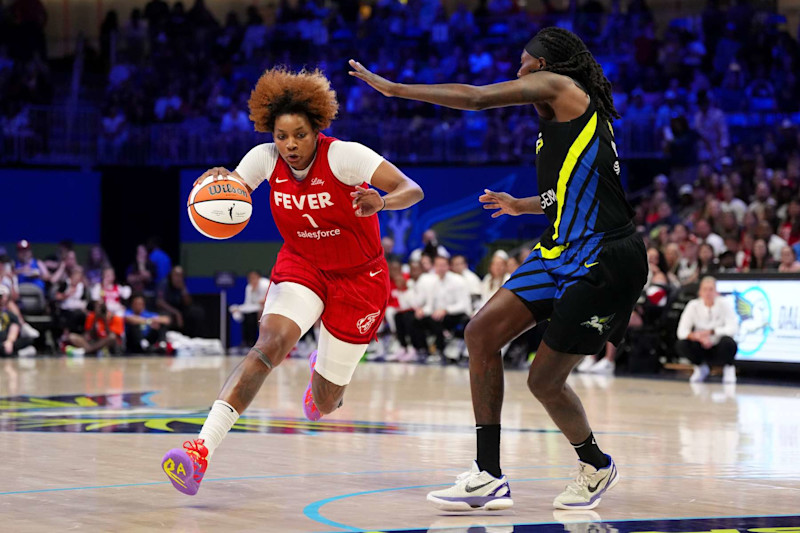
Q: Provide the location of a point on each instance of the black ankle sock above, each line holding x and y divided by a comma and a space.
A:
489, 448
590, 453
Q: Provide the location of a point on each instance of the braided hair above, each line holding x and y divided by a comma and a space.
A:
566, 54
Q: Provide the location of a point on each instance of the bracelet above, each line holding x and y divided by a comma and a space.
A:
384, 204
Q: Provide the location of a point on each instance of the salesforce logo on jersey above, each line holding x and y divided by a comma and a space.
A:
319, 234
769, 318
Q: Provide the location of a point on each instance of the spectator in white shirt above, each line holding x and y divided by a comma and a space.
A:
774, 243
458, 264
497, 275
731, 204
763, 200
704, 235
72, 302
705, 333
111, 293
249, 312
446, 305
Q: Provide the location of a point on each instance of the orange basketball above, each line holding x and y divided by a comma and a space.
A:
220, 208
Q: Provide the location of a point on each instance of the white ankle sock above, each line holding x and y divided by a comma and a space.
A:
220, 420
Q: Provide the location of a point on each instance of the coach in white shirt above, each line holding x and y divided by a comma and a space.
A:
458, 264
705, 333
250, 310
446, 305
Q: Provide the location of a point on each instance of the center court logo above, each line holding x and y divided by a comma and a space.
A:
366, 323
601, 324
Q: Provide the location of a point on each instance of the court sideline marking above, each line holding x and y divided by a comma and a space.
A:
312, 510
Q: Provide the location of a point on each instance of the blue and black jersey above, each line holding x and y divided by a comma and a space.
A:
578, 175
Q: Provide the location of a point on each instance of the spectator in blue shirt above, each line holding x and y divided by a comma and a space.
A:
160, 258
28, 268
144, 329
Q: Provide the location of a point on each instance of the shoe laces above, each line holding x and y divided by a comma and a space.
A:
309, 401
464, 476
309, 397
198, 452
582, 479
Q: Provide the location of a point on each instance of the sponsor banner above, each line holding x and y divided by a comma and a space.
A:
769, 318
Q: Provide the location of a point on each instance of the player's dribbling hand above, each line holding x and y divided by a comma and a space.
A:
502, 201
379, 83
217, 172
366, 202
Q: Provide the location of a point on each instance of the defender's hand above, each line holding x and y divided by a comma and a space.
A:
502, 201
380, 84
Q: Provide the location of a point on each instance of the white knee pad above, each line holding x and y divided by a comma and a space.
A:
336, 359
294, 301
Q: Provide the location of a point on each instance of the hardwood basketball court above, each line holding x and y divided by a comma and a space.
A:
83, 439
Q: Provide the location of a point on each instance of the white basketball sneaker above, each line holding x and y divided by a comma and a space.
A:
476, 490
603, 366
728, 374
587, 363
700, 373
589, 486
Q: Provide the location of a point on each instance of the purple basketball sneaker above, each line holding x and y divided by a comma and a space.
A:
309, 407
185, 467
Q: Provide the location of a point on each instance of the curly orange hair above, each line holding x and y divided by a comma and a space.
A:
280, 92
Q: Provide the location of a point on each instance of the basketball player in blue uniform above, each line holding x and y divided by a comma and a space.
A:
584, 275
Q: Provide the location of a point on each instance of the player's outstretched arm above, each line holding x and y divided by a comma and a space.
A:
401, 192
532, 88
505, 204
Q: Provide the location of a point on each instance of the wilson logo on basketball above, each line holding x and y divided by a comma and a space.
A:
366, 323
216, 189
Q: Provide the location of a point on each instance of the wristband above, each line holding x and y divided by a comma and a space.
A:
384, 204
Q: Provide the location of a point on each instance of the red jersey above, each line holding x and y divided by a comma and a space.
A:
316, 217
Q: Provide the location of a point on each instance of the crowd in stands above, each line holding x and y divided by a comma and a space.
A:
433, 296
728, 201
24, 71
89, 310
179, 64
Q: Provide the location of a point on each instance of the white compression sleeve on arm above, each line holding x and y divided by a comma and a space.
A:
258, 164
353, 163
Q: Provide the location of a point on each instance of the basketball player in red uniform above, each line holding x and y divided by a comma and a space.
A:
331, 266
